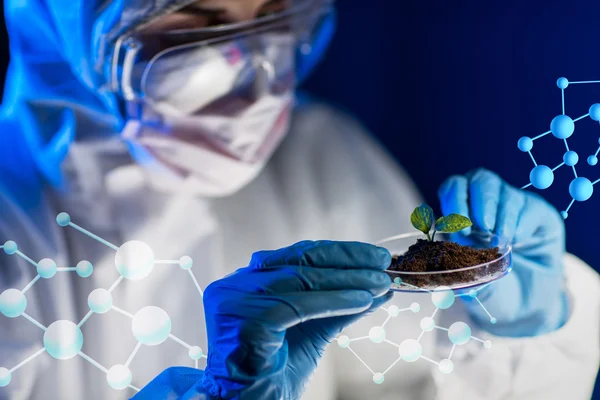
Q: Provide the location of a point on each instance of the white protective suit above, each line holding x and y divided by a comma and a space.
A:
328, 180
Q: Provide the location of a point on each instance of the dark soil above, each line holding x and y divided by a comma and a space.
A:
426, 256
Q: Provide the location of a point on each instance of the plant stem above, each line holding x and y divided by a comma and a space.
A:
429, 237
433, 237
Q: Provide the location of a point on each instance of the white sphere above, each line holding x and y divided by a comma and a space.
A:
12, 303
134, 260
186, 262
378, 378
442, 297
487, 344
427, 324
46, 268
393, 311
410, 350
377, 334
118, 377
100, 301
415, 307
446, 366
63, 340
151, 326
10, 247
195, 353
343, 341
5, 377
84, 268
459, 333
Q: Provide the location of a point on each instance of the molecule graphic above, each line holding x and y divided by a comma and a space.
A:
562, 127
410, 350
151, 326
63, 339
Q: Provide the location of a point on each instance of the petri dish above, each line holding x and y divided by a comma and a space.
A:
461, 278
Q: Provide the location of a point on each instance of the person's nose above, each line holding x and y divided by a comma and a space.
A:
257, 80
264, 75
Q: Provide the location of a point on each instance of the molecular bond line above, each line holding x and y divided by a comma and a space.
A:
562, 127
63, 339
410, 350
151, 326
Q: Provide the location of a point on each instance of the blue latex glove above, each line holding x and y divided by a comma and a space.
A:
268, 324
530, 300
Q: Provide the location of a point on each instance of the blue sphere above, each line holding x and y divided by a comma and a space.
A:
10, 247
592, 160
564, 214
84, 268
571, 158
562, 83
562, 126
5, 376
581, 189
63, 219
525, 144
541, 177
595, 112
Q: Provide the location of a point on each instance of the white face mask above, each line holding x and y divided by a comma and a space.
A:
200, 133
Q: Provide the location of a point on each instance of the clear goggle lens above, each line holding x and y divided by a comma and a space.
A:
247, 68
252, 57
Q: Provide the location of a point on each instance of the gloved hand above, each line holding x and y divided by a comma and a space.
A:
530, 300
268, 324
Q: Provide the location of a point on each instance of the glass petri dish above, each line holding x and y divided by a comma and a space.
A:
462, 278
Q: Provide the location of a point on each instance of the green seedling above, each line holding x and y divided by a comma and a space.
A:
422, 219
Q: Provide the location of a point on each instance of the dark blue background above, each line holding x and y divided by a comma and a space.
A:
451, 86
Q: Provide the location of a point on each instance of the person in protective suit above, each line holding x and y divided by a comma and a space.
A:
176, 123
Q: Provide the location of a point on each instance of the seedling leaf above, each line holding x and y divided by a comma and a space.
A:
422, 218
452, 223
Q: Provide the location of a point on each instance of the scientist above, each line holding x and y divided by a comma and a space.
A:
175, 123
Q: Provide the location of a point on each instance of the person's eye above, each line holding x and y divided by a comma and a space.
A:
273, 7
205, 17
187, 19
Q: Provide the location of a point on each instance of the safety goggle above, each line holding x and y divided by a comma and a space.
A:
139, 58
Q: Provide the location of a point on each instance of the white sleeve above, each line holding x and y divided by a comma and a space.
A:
557, 366
364, 194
